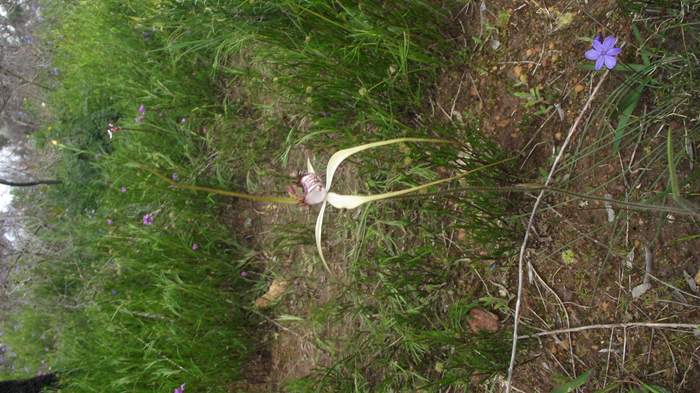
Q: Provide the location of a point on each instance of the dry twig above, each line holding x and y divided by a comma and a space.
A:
521, 257
657, 325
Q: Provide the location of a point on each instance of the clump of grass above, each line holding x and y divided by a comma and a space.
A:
351, 66
28, 340
133, 306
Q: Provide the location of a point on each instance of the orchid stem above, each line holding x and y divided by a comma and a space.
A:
240, 195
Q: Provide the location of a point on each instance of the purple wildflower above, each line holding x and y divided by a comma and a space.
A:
109, 221
180, 389
142, 114
174, 176
148, 219
244, 274
604, 52
122, 189
195, 246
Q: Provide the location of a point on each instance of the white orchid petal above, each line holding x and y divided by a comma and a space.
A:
318, 232
309, 168
347, 201
340, 156
352, 201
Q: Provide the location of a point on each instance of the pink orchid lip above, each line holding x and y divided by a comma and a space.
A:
314, 190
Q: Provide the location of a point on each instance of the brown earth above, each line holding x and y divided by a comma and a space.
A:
580, 256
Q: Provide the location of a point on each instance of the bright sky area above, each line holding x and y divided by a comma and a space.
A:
7, 158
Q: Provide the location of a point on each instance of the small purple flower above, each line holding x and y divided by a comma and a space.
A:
174, 176
122, 189
115, 292
109, 221
195, 246
180, 389
604, 52
142, 114
244, 274
148, 219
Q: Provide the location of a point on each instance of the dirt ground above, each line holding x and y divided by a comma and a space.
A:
584, 267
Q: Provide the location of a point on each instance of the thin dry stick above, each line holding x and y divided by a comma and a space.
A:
566, 316
607, 363
529, 226
657, 325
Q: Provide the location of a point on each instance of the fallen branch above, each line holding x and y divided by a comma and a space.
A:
659, 325
28, 183
521, 257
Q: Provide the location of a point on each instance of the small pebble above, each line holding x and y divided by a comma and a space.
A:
518, 70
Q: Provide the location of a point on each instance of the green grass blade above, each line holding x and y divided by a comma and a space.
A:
573, 384
630, 104
673, 177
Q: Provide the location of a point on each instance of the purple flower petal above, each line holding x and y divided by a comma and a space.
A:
597, 44
610, 61
613, 51
609, 42
599, 63
592, 54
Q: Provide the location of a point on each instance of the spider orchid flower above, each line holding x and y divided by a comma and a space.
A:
112, 129
315, 193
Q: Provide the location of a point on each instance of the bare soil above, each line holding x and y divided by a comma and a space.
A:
585, 262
